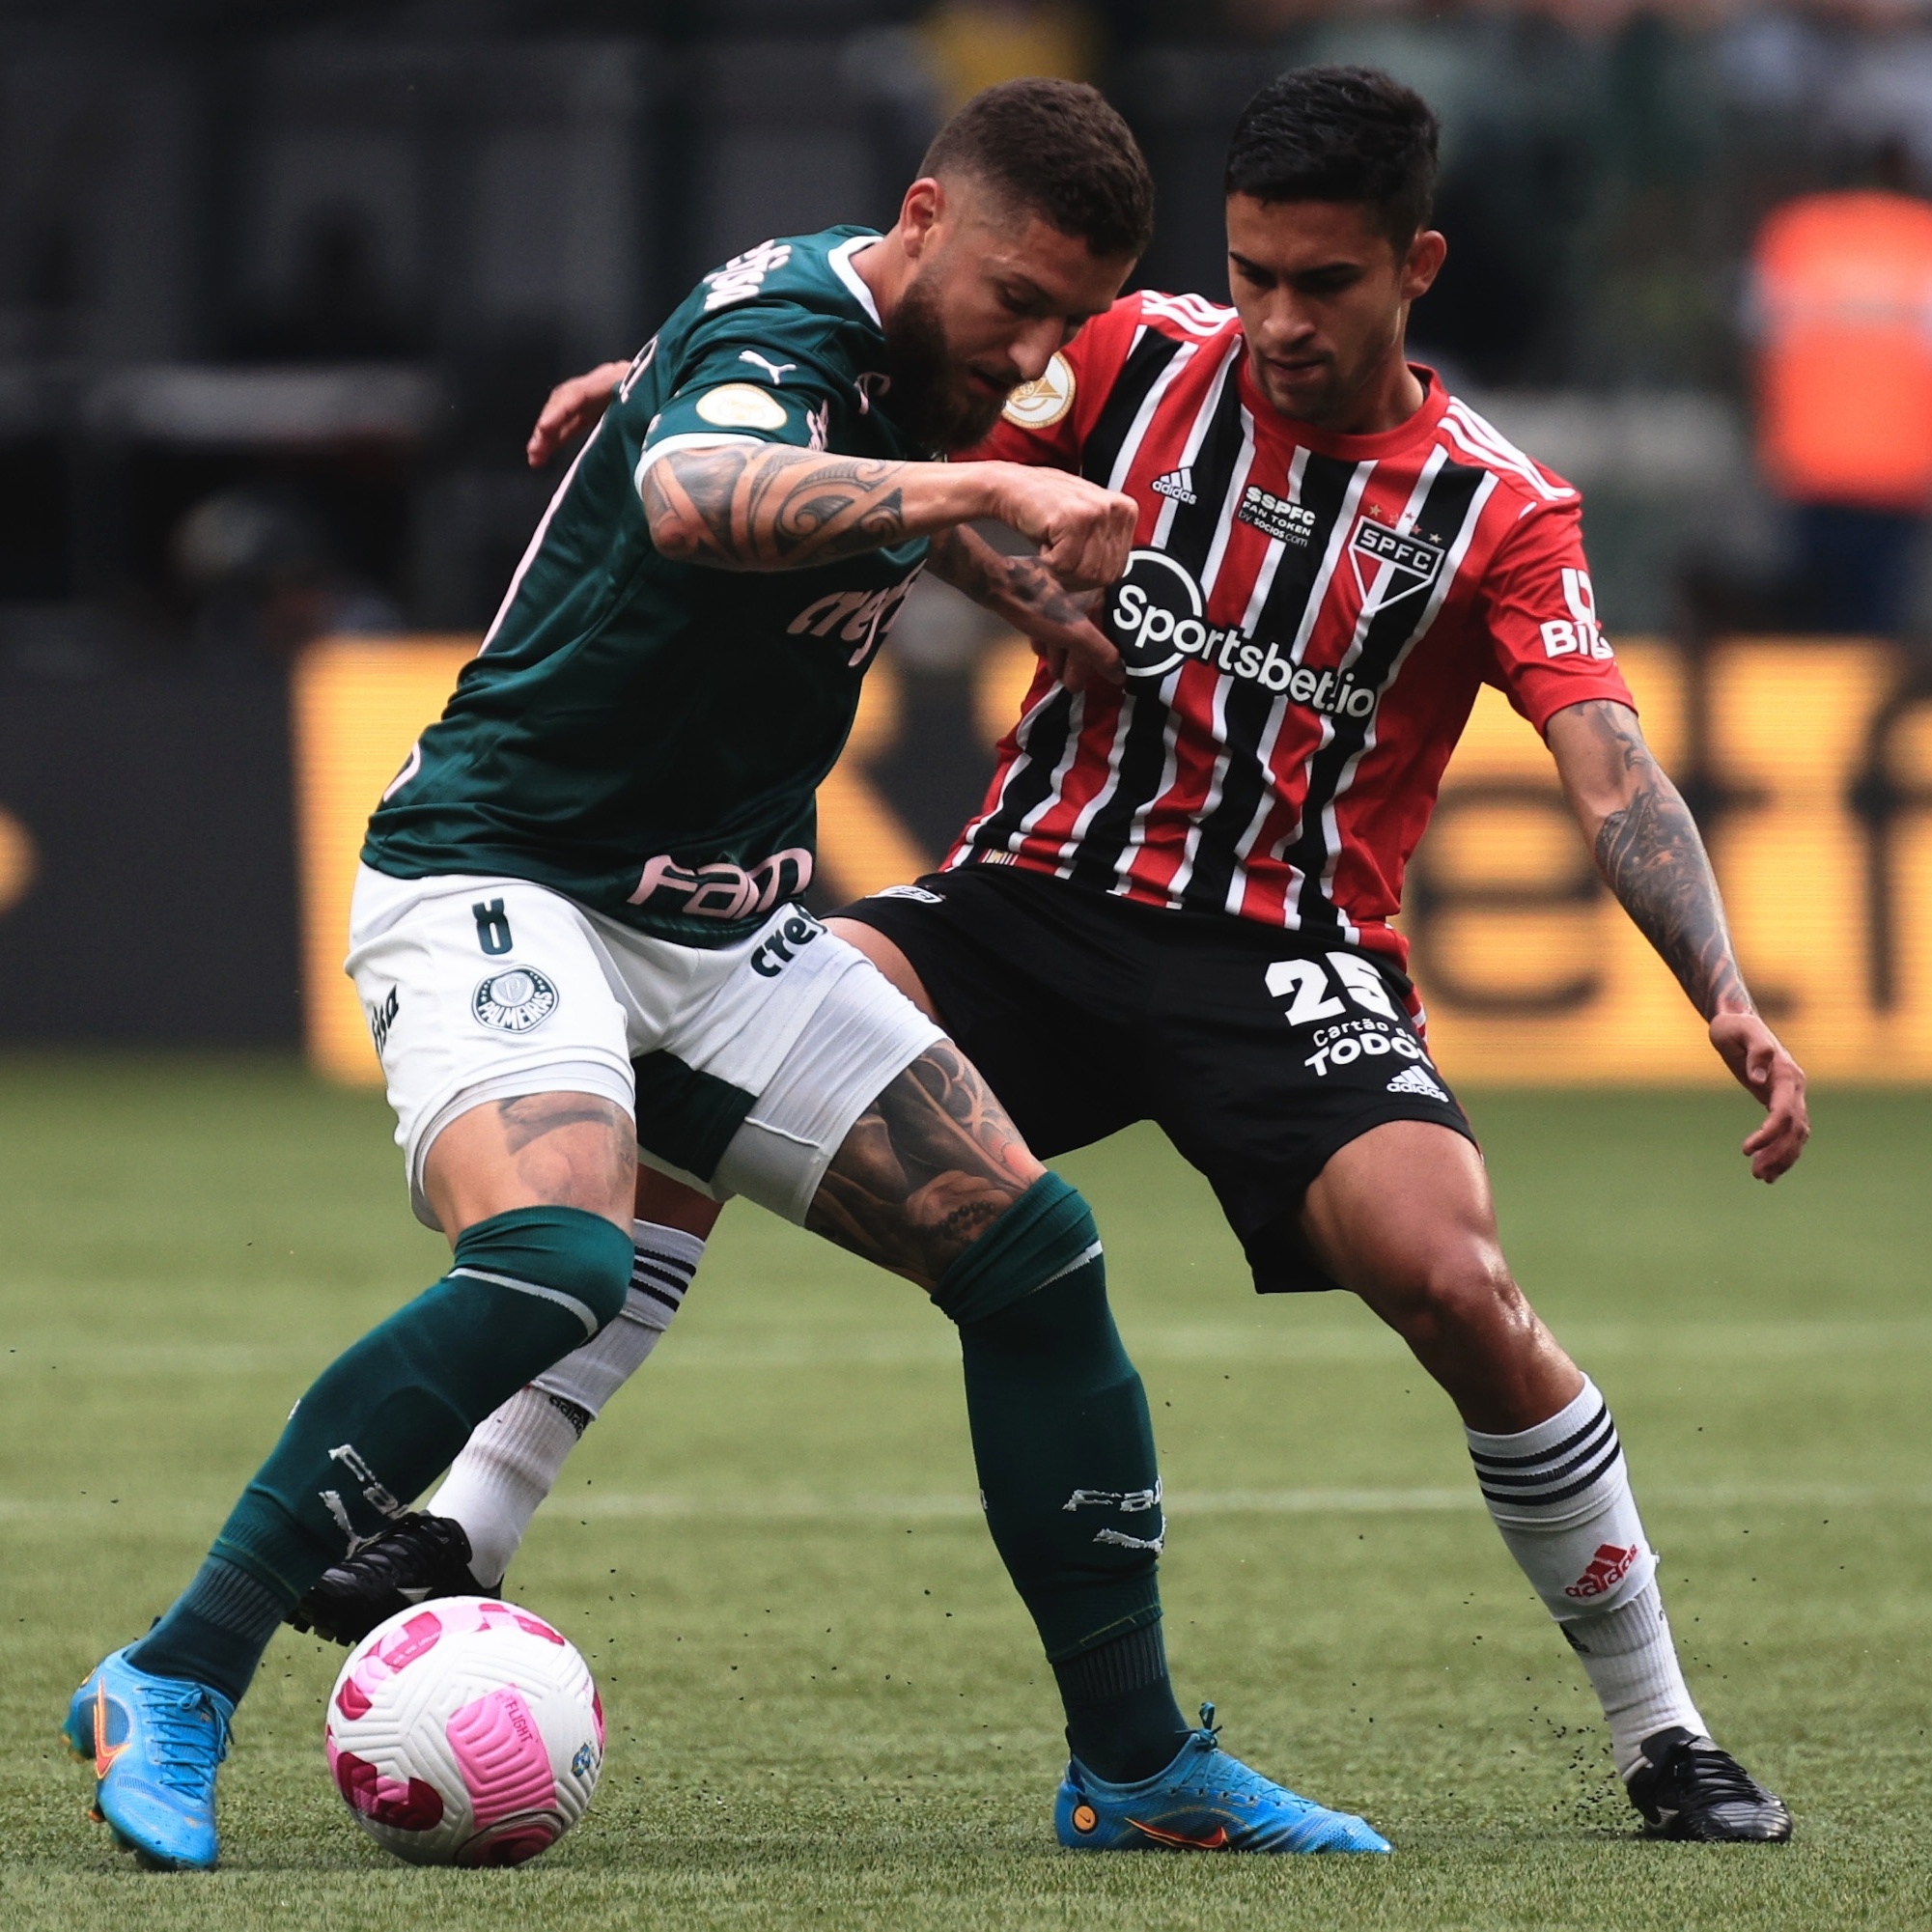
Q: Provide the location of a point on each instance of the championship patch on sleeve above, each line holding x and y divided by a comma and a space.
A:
1041, 404
743, 405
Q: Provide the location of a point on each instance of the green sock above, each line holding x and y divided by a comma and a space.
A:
1065, 1452
526, 1288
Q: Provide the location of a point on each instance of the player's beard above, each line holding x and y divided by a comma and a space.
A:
930, 397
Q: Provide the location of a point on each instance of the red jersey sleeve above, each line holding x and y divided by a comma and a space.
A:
1537, 604
1048, 422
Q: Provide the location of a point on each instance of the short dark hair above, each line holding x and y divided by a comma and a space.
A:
1055, 146
1339, 134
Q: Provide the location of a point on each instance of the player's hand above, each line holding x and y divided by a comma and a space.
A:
1083, 532
1059, 625
573, 407
1773, 1078
1077, 650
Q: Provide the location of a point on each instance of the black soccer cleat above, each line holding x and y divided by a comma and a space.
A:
423, 1556
1687, 1788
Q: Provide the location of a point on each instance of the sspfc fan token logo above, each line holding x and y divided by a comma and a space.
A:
514, 1001
1041, 404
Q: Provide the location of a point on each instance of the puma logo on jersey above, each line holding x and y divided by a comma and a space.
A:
1178, 484
774, 370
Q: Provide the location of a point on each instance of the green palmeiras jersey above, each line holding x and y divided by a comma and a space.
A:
643, 734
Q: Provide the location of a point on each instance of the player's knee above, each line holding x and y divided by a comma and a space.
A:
1047, 1235
566, 1254
1454, 1289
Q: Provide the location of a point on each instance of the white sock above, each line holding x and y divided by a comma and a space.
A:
1560, 1494
512, 1458
505, 1470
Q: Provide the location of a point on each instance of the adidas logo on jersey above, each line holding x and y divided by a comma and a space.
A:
1179, 484
1413, 1080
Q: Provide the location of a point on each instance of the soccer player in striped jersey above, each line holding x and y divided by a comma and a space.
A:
1176, 902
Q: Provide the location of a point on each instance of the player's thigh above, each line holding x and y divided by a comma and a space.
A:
502, 1047
1266, 1063
1025, 999
926, 1169
888, 956
763, 1059
558, 1149
807, 1082
672, 1204
1403, 1213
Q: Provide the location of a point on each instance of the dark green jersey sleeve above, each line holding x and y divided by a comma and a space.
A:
769, 374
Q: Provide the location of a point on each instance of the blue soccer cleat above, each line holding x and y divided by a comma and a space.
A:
1204, 1802
156, 1743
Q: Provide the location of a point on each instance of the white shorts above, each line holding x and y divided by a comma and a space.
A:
744, 1067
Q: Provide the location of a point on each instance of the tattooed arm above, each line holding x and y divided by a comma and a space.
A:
1648, 850
769, 507
1029, 596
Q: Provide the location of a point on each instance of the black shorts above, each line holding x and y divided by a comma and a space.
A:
1258, 1052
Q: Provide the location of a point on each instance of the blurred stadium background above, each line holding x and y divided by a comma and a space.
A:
281, 288
282, 285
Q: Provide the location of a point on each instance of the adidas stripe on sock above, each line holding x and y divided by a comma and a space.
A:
512, 1461
1560, 1495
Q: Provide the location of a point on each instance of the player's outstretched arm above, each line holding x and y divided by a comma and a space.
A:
1648, 850
573, 407
1023, 592
749, 506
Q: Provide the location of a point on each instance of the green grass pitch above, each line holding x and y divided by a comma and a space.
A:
826, 1710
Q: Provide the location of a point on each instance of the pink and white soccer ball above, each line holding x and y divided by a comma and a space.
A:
467, 1732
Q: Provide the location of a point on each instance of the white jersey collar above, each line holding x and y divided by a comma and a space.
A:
841, 260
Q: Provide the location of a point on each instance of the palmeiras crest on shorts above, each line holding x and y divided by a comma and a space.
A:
514, 1001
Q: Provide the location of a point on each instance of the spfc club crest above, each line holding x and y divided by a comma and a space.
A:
1390, 565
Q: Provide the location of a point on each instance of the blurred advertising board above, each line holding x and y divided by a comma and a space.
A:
147, 893
1809, 763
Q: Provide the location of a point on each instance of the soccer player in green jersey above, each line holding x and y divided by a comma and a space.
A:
577, 934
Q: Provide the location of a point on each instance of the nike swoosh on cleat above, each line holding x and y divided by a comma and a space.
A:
105, 1754
1214, 1841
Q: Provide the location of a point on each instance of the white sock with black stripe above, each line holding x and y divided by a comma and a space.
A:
513, 1457
1560, 1496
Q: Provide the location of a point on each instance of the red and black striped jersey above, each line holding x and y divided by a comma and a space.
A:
1305, 623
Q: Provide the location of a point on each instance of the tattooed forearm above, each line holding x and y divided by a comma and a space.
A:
1649, 851
1022, 589
928, 1168
772, 508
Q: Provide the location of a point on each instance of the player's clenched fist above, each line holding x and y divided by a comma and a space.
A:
1083, 532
